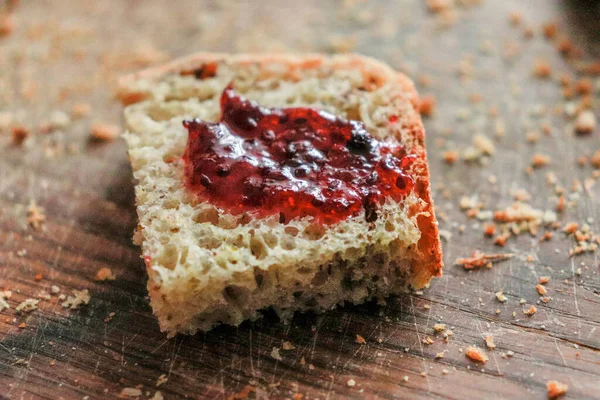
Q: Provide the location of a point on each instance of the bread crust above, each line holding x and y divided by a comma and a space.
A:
375, 73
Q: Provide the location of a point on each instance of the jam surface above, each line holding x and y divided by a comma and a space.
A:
294, 162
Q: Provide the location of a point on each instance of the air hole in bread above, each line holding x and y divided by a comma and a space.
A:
319, 279
291, 230
258, 277
270, 239
169, 256
258, 248
288, 243
236, 295
207, 214
314, 231
304, 270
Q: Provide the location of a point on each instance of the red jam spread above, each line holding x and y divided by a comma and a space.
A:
294, 162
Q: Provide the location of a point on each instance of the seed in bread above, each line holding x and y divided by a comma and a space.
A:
209, 265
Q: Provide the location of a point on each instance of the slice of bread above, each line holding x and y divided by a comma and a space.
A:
206, 266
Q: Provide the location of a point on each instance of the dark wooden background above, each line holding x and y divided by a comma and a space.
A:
61, 53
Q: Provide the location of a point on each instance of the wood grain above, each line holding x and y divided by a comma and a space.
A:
64, 53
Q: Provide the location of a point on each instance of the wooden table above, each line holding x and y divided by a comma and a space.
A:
61, 54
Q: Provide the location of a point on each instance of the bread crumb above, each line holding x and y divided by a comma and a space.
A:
35, 216
439, 355
489, 342
585, 122
19, 134
541, 289
426, 105
479, 259
405, 378
7, 23
540, 160
515, 18
544, 279
439, 328
570, 228
79, 297
445, 371
439, 6
162, 379
556, 389
275, 354
489, 230
287, 346
54, 289
28, 305
428, 340
130, 392
3, 297
104, 274
550, 29
484, 144
530, 311
103, 132
476, 354
450, 156
542, 69
22, 325
80, 110
501, 297
360, 339
351, 383
157, 396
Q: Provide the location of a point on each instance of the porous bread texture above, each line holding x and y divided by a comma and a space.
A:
208, 267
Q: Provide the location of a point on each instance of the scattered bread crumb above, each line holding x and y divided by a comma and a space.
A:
476, 354
28, 305
542, 69
19, 134
103, 132
530, 311
556, 389
450, 156
544, 279
428, 340
351, 383
489, 342
162, 379
439, 328
426, 105
541, 289
585, 122
130, 392
540, 160
81, 110
360, 339
79, 297
275, 354
104, 274
479, 259
287, 346
501, 297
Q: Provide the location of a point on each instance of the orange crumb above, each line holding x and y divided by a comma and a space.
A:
595, 159
81, 110
104, 274
568, 92
427, 105
476, 354
556, 389
489, 230
427, 340
489, 342
565, 46
544, 279
571, 227
515, 18
540, 160
360, 339
7, 24
547, 235
35, 216
529, 258
541, 289
583, 86
560, 205
450, 156
564, 79
19, 134
500, 240
479, 259
545, 299
542, 69
38, 277
530, 311
22, 325
438, 6
550, 29
103, 132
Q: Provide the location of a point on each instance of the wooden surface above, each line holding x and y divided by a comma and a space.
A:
63, 53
